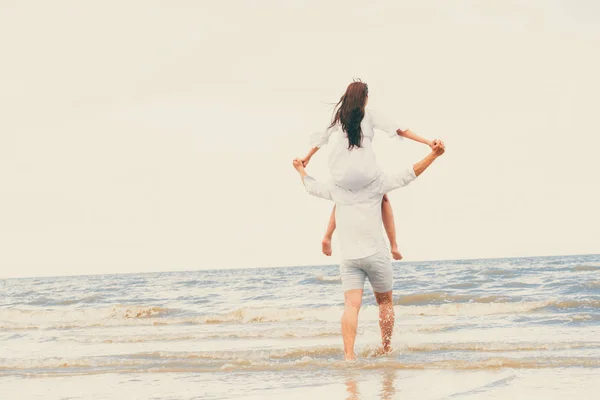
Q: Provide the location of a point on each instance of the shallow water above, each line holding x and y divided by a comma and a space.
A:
477, 329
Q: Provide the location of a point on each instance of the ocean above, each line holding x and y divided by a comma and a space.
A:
472, 329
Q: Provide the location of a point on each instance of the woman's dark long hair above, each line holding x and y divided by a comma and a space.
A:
350, 111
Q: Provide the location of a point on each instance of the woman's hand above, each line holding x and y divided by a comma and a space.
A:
305, 161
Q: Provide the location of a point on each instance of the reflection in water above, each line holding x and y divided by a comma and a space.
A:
387, 391
352, 387
387, 386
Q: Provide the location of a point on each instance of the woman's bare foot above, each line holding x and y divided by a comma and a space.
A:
396, 253
350, 357
326, 246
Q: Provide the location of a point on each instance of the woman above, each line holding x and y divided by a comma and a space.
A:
352, 161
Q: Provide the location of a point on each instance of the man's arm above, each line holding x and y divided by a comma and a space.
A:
437, 150
395, 181
316, 188
313, 187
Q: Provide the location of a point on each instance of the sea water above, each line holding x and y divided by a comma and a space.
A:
471, 329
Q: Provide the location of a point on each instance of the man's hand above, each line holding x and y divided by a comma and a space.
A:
305, 161
438, 148
299, 165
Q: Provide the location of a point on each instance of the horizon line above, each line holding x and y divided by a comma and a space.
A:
285, 266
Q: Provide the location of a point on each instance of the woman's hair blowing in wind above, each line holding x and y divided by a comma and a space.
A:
350, 111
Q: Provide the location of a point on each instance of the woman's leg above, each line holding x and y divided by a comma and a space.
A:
390, 226
326, 242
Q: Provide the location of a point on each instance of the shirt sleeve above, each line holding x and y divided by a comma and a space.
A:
316, 188
320, 139
385, 124
397, 180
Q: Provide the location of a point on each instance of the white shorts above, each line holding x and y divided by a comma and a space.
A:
377, 267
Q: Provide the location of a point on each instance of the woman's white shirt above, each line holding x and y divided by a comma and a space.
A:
356, 168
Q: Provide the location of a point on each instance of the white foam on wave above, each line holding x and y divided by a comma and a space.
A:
371, 312
117, 315
473, 309
13, 318
276, 360
220, 334
327, 278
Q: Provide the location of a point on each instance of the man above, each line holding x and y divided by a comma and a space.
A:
363, 249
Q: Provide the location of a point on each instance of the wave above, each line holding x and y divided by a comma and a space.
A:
246, 355
592, 284
250, 315
307, 333
441, 297
518, 285
84, 300
585, 317
571, 304
463, 285
413, 305
329, 279
473, 309
20, 319
114, 311
500, 346
488, 305
480, 306
14, 318
48, 302
498, 272
582, 268
332, 314
494, 363
273, 360
322, 280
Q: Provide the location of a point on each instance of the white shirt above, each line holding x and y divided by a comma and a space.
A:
358, 212
353, 169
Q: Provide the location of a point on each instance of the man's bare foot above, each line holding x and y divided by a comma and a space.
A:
350, 357
382, 351
396, 253
326, 246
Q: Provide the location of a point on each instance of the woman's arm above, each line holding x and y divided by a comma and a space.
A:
413, 136
311, 153
391, 128
318, 140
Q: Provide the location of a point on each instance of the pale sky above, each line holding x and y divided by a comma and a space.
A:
141, 136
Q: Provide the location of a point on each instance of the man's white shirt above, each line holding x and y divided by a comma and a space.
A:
358, 212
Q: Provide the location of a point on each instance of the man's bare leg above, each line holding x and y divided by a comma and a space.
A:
352, 301
326, 242
390, 226
386, 320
